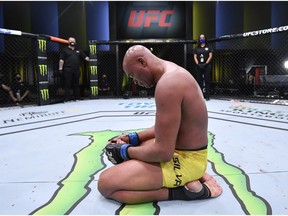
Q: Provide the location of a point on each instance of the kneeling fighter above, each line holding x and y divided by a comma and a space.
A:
167, 161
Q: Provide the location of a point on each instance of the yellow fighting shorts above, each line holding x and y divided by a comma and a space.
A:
186, 166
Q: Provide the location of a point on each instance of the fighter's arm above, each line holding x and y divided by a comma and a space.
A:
147, 134
143, 136
168, 100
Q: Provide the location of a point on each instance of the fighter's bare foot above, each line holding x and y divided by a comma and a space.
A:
194, 186
206, 177
211, 183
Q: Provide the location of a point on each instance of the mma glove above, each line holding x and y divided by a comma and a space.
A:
117, 153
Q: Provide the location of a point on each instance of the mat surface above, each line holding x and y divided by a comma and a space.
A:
51, 157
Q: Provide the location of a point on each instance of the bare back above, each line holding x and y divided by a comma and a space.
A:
186, 119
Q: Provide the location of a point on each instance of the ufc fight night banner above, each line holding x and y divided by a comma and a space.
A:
150, 20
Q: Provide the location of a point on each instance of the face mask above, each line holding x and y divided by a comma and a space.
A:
18, 78
72, 44
202, 40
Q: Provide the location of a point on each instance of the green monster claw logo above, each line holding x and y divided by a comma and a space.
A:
44, 94
89, 161
43, 69
94, 90
93, 70
42, 45
92, 49
238, 181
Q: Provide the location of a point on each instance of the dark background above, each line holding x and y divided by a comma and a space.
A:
105, 20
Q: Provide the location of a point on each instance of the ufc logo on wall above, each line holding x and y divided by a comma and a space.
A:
145, 18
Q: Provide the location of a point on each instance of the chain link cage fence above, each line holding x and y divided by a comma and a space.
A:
35, 59
109, 64
17, 55
247, 66
252, 68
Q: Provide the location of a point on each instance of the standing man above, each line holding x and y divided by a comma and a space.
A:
69, 66
167, 161
203, 54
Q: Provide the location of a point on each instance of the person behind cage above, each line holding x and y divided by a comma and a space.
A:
203, 54
3, 89
104, 86
69, 66
168, 160
18, 90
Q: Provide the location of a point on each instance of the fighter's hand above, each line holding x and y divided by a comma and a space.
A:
131, 138
117, 153
123, 138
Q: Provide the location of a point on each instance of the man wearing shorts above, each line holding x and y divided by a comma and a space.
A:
168, 160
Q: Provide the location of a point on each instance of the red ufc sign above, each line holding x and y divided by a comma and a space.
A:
145, 18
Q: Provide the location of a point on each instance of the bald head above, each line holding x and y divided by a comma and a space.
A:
133, 53
138, 64
136, 50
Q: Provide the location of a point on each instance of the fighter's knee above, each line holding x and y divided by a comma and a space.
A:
103, 185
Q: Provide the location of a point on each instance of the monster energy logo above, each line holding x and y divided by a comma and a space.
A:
93, 70
42, 45
43, 69
44, 94
92, 49
94, 90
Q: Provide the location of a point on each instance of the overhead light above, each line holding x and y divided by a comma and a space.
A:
286, 64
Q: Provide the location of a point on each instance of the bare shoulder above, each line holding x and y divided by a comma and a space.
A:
173, 85
175, 78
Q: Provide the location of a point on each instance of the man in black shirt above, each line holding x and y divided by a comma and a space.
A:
69, 66
203, 54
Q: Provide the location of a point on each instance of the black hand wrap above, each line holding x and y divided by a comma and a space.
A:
117, 153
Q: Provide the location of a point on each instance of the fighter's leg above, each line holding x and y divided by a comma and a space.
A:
133, 182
